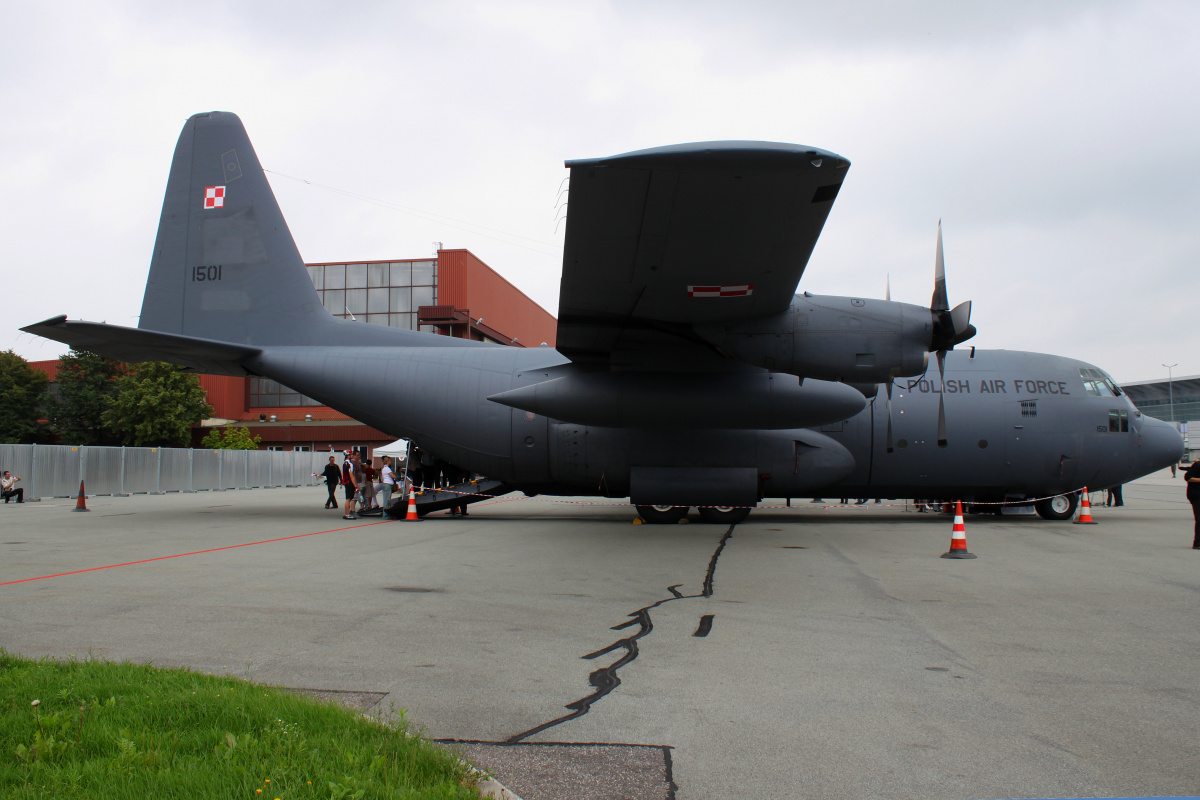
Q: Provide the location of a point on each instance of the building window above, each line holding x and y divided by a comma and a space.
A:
335, 276
379, 292
378, 275
266, 393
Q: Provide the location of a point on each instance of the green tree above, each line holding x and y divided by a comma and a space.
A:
87, 386
23, 395
232, 439
156, 405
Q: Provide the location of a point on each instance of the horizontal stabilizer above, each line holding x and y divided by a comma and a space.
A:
133, 345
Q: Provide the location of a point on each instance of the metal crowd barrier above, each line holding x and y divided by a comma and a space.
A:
55, 470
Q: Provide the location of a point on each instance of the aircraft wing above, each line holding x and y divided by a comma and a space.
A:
660, 239
134, 344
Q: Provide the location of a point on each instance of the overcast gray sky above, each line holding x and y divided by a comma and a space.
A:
1059, 143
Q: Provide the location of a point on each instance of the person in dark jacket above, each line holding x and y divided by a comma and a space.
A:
332, 476
1192, 476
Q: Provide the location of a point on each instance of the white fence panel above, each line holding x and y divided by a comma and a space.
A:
258, 467
102, 469
176, 473
206, 468
141, 470
233, 469
283, 463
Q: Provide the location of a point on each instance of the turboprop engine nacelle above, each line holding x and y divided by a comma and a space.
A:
832, 338
676, 400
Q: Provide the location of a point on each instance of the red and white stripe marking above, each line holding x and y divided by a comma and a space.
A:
214, 196
741, 290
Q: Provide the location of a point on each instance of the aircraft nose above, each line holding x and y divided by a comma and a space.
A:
1162, 445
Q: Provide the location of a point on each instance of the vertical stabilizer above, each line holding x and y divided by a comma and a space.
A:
225, 266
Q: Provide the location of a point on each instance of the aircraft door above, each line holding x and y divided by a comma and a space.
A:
530, 447
1042, 451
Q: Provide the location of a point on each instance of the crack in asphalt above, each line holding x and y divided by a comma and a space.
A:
605, 679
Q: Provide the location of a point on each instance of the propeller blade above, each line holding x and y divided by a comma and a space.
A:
939, 303
961, 316
960, 320
941, 431
889, 417
887, 295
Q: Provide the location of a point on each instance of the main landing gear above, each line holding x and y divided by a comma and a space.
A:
669, 515
1057, 508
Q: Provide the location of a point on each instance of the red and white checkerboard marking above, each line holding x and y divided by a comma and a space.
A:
741, 290
214, 196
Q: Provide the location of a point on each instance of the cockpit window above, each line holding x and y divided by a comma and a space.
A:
1097, 384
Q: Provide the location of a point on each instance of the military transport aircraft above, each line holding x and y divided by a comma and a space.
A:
687, 372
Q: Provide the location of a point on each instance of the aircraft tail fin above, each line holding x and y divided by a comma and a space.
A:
225, 266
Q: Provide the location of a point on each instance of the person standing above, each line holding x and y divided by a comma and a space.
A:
368, 484
333, 476
360, 479
1114, 497
388, 479
8, 488
1192, 476
456, 476
349, 485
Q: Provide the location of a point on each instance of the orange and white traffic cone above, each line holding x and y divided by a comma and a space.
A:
958, 539
411, 516
1085, 510
81, 502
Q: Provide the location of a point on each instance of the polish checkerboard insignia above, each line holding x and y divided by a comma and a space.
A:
741, 290
214, 196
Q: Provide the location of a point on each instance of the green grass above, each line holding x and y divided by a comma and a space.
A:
113, 731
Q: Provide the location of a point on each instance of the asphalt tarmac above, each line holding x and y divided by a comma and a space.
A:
807, 652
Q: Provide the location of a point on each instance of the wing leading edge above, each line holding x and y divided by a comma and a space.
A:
661, 239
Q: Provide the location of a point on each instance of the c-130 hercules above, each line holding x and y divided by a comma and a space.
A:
687, 371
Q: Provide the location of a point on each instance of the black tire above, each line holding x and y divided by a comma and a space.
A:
723, 515
662, 515
1057, 508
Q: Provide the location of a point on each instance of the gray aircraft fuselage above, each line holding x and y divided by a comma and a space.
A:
1021, 425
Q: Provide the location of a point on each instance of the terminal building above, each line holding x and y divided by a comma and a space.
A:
452, 294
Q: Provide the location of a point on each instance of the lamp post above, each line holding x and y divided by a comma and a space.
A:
1171, 388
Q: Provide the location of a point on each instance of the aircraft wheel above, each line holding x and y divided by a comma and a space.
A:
723, 515
662, 515
1057, 508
